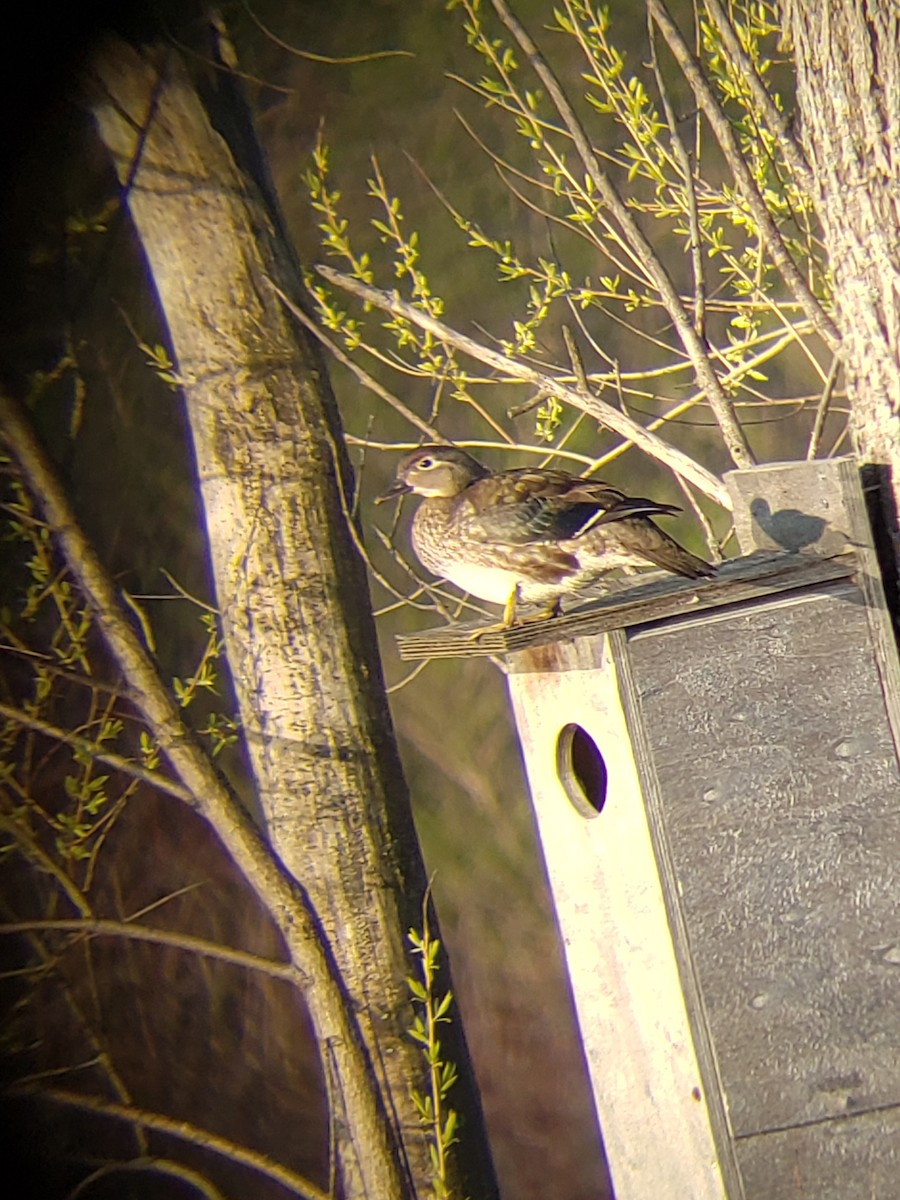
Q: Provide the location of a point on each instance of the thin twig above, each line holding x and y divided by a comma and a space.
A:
367, 380
141, 618
409, 676
591, 340
310, 56
158, 937
683, 160
173, 1127
822, 411
576, 361
472, 444
185, 594
708, 533
352, 526
283, 896
520, 410
580, 229
153, 1165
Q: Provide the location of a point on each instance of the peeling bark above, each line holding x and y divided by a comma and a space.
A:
847, 57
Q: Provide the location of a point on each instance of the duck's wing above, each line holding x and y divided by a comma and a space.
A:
522, 506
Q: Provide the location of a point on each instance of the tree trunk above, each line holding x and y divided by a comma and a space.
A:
847, 55
290, 584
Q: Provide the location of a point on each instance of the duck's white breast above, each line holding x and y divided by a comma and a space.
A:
488, 583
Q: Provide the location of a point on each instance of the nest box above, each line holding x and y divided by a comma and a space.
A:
714, 772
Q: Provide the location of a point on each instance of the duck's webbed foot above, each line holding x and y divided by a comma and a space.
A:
508, 620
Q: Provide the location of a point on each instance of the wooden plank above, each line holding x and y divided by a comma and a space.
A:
648, 1088
681, 934
820, 506
765, 741
856, 1157
795, 507
665, 596
768, 741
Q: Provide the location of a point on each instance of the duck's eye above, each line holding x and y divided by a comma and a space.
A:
426, 463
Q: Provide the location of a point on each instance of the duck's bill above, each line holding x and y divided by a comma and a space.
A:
398, 488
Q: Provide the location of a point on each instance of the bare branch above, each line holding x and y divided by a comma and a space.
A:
367, 380
732, 434
683, 160
283, 896
160, 937
310, 56
822, 410
721, 127
608, 416
154, 1166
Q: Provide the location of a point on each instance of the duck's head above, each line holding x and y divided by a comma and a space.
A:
434, 470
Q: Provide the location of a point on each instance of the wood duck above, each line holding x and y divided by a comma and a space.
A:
530, 535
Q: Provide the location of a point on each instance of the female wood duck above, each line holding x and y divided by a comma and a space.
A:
529, 534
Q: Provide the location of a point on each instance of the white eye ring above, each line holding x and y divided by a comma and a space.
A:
427, 463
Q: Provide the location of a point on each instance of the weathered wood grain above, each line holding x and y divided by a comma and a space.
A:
664, 596
836, 1160
767, 737
820, 506
648, 1087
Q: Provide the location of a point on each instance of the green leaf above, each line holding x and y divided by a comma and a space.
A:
443, 1005
415, 987
449, 1130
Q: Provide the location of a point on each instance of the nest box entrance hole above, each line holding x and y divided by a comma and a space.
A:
581, 770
